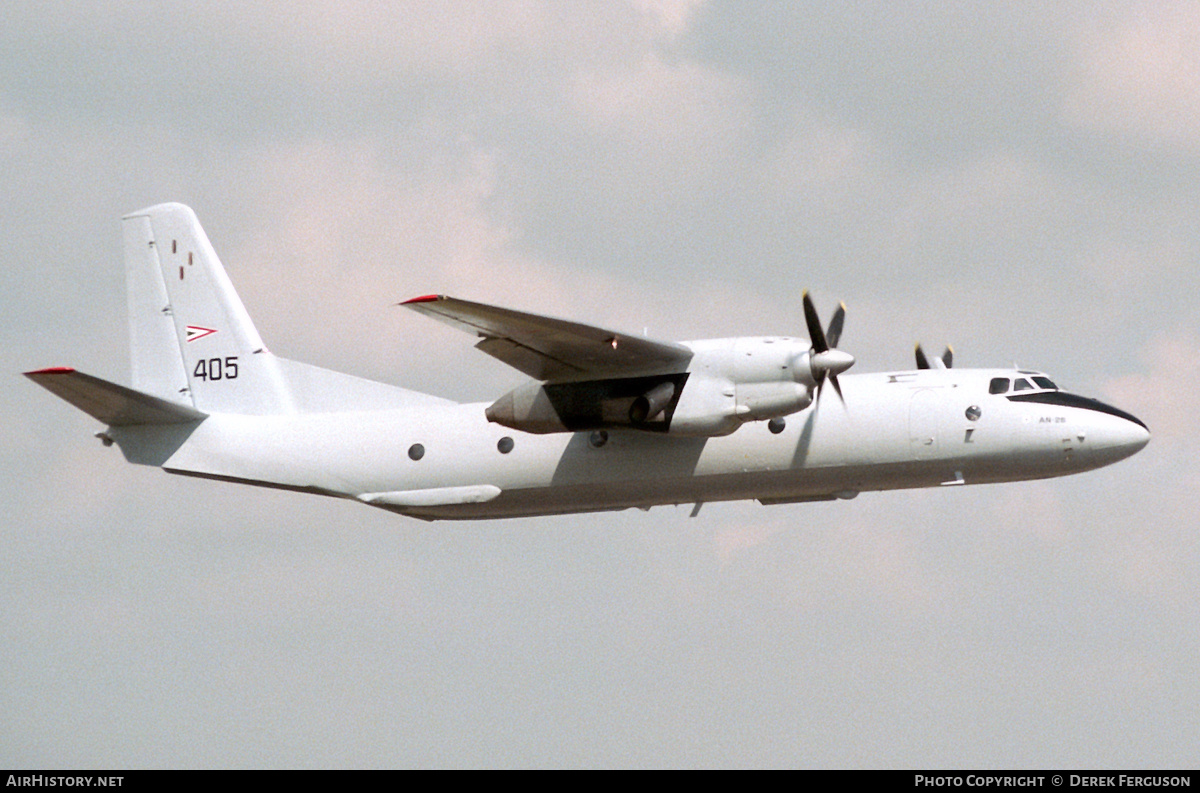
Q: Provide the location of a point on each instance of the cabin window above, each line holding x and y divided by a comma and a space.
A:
973, 413
598, 439
999, 385
776, 426
416, 451
505, 445
1022, 385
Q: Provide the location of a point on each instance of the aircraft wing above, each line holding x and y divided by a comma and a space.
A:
548, 348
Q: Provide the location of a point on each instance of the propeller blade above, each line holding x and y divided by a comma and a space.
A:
825, 362
834, 334
815, 334
922, 361
948, 356
836, 387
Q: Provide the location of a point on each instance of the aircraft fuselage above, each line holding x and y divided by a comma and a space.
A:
896, 430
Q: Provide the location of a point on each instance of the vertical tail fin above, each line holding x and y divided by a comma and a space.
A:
192, 341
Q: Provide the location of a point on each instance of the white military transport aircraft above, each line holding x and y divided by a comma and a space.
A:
609, 421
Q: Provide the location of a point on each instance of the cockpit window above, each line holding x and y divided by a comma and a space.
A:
1045, 382
999, 385
1022, 385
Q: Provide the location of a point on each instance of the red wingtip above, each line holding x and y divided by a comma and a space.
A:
422, 299
53, 370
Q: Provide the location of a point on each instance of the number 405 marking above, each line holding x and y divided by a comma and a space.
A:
217, 369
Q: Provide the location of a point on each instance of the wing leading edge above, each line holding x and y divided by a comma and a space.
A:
550, 349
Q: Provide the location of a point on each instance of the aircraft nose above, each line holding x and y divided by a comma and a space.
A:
1116, 438
1129, 437
1137, 435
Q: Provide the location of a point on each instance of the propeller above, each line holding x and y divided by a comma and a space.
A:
945, 362
824, 359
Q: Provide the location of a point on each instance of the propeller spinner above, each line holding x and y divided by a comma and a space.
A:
825, 361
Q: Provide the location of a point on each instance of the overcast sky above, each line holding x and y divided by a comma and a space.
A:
1019, 179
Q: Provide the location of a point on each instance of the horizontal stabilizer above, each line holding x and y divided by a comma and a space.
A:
115, 405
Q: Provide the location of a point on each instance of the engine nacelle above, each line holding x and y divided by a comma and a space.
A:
645, 403
682, 404
760, 401
527, 408
707, 407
